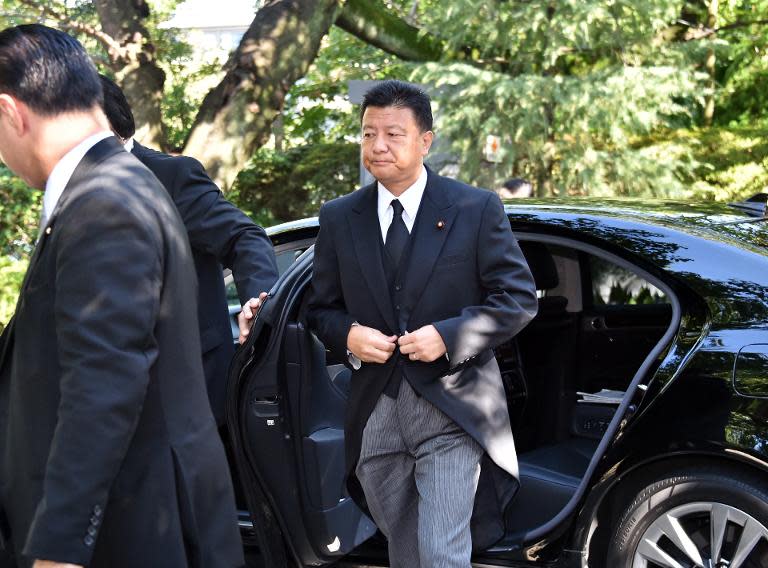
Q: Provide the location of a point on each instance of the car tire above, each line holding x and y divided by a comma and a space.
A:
714, 517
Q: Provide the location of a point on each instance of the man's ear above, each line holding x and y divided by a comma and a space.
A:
14, 113
426, 141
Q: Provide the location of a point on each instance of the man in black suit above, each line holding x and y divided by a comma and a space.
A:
220, 235
416, 278
110, 453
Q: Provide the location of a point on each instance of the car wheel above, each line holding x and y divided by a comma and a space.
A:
707, 518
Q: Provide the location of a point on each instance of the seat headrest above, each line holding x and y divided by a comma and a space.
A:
541, 263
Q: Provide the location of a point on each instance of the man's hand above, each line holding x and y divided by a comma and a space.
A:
369, 344
246, 315
425, 344
51, 564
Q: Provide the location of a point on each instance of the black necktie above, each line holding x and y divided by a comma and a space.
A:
397, 234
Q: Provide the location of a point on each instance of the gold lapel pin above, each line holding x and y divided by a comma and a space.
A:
441, 224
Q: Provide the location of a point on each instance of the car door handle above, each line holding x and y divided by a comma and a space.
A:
265, 407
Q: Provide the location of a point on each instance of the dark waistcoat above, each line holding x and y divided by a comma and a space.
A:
396, 277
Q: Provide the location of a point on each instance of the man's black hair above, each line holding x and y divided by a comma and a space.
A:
514, 184
47, 70
117, 109
393, 93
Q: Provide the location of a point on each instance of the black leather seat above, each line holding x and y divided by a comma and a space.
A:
553, 469
544, 270
549, 476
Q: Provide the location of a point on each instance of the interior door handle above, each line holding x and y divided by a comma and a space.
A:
265, 407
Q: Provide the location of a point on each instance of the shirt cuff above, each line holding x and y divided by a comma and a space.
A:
354, 360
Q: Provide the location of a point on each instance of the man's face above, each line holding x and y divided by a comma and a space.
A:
393, 146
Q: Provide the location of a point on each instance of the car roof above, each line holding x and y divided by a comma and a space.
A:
709, 220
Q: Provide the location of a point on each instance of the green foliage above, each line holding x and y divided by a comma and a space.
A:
743, 63
11, 276
316, 108
19, 214
731, 162
283, 186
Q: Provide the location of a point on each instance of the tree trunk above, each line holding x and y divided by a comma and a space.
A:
277, 50
709, 106
134, 62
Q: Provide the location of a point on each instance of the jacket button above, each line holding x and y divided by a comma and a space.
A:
95, 521
397, 307
97, 511
89, 540
398, 287
92, 531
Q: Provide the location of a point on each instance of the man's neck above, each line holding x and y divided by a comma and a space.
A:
57, 135
398, 188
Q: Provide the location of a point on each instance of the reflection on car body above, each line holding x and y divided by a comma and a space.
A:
638, 397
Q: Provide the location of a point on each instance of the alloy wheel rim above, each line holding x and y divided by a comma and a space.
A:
703, 535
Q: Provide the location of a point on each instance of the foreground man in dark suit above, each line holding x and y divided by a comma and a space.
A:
219, 234
416, 278
110, 454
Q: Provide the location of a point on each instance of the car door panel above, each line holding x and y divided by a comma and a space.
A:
292, 412
614, 340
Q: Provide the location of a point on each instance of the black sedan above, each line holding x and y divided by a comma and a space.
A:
638, 398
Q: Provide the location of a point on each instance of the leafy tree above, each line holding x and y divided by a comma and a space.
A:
283, 186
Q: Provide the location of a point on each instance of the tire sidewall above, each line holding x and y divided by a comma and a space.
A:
666, 494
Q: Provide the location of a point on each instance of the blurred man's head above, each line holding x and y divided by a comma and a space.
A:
516, 187
46, 77
396, 121
117, 109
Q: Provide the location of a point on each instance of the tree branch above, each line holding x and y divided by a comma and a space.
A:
113, 48
371, 22
703, 32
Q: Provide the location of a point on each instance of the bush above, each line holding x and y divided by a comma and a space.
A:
11, 276
284, 186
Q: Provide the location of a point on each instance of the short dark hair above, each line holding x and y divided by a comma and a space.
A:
47, 70
514, 184
117, 109
393, 93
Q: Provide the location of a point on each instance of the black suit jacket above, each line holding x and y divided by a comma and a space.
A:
466, 276
221, 236
110, 454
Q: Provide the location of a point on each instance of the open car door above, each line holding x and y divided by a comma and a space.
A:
285, 414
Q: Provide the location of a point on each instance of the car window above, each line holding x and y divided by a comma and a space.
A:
614, 285
285, 258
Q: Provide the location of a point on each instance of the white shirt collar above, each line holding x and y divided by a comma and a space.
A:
128, 144
63, 170
410, 200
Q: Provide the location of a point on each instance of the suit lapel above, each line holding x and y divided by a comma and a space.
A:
366, 231
433, 223
95, 155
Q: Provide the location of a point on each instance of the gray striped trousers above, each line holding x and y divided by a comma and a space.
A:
419, 472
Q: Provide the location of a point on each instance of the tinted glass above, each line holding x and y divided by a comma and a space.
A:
614, 285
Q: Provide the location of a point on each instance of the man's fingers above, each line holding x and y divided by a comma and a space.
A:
246, 315
408, 348
380, 341
383, 356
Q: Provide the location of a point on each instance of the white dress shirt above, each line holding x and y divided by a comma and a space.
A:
410, 199
62, 172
